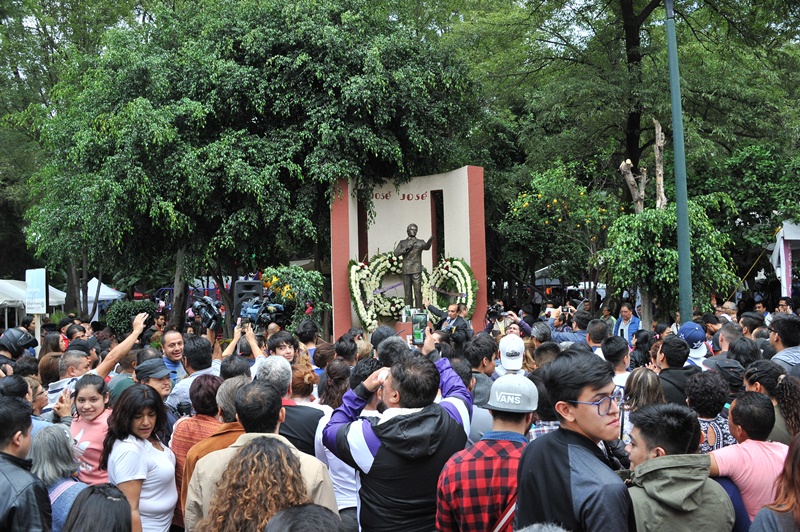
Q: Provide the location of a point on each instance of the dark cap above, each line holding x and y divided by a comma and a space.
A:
731, 370
381, 333
152, 369
82, 346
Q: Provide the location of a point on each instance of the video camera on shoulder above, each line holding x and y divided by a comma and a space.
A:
209, 313
260, 312
496, 312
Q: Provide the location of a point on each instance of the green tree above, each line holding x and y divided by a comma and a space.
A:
218, 133
556, 221
642, 253
37, 40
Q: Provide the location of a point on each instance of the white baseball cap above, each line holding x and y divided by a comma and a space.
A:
512, 352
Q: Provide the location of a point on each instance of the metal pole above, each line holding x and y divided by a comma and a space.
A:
681, 195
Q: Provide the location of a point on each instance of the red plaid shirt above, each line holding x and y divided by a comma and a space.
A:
477, 485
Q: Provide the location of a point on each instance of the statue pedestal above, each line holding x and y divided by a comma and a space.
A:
404, 331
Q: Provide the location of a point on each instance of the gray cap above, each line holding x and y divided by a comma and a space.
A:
513, 393
152, 369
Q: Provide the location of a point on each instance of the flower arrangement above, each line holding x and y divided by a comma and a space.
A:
452, 281
385, 306
361, 294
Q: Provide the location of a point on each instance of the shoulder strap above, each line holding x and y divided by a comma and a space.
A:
64, 486
506, 515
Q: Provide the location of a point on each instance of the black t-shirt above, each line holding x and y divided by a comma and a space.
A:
300, 426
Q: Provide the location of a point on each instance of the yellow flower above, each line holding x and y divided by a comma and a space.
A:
546, 222
555, 200
526, 204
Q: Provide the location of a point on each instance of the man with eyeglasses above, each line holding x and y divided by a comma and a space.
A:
784, 306
784, 337
565, 476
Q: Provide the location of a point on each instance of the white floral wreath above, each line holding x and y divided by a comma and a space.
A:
370, 302
451, 281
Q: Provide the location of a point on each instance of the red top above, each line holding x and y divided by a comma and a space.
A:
187, 432
477, 485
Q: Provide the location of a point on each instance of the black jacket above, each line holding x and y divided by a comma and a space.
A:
399, 457
24, 503
673, 382
565, 478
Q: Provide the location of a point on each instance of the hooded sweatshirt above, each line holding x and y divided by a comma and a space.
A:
399, 457
673, 382
674, 493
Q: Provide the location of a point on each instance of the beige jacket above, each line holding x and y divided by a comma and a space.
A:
209, 471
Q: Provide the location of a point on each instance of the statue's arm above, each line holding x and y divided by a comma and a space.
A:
429, 243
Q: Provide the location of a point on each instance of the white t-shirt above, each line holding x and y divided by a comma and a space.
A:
135, 459
620, 379
345, 486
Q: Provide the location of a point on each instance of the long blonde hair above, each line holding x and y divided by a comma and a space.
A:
262, 479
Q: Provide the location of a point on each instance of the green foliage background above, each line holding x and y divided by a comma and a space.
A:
222, 128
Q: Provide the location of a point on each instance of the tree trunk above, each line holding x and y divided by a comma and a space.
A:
96, 292
84, 282
647, 309
72, 300
633, 56
636, 184
179, 293
227, 299
658, 149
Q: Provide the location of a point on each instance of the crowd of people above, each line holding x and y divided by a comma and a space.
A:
566, 419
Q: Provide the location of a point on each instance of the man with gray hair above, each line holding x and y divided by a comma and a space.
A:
226, 434
301, 421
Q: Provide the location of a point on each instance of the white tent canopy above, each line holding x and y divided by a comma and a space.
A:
12, 294
106, 292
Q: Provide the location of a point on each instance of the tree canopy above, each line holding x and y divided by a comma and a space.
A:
223, 128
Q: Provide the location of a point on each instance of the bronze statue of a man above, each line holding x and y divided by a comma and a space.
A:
411, 250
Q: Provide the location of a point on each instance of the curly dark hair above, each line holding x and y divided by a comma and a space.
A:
133, 401
787, 394
706, 393
262, 479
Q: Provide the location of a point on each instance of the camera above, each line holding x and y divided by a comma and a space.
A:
209, 313
261, 311
495, 312
565, 310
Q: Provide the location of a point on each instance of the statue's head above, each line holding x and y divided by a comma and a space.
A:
411, 230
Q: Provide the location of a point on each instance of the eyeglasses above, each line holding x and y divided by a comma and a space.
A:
604, 404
